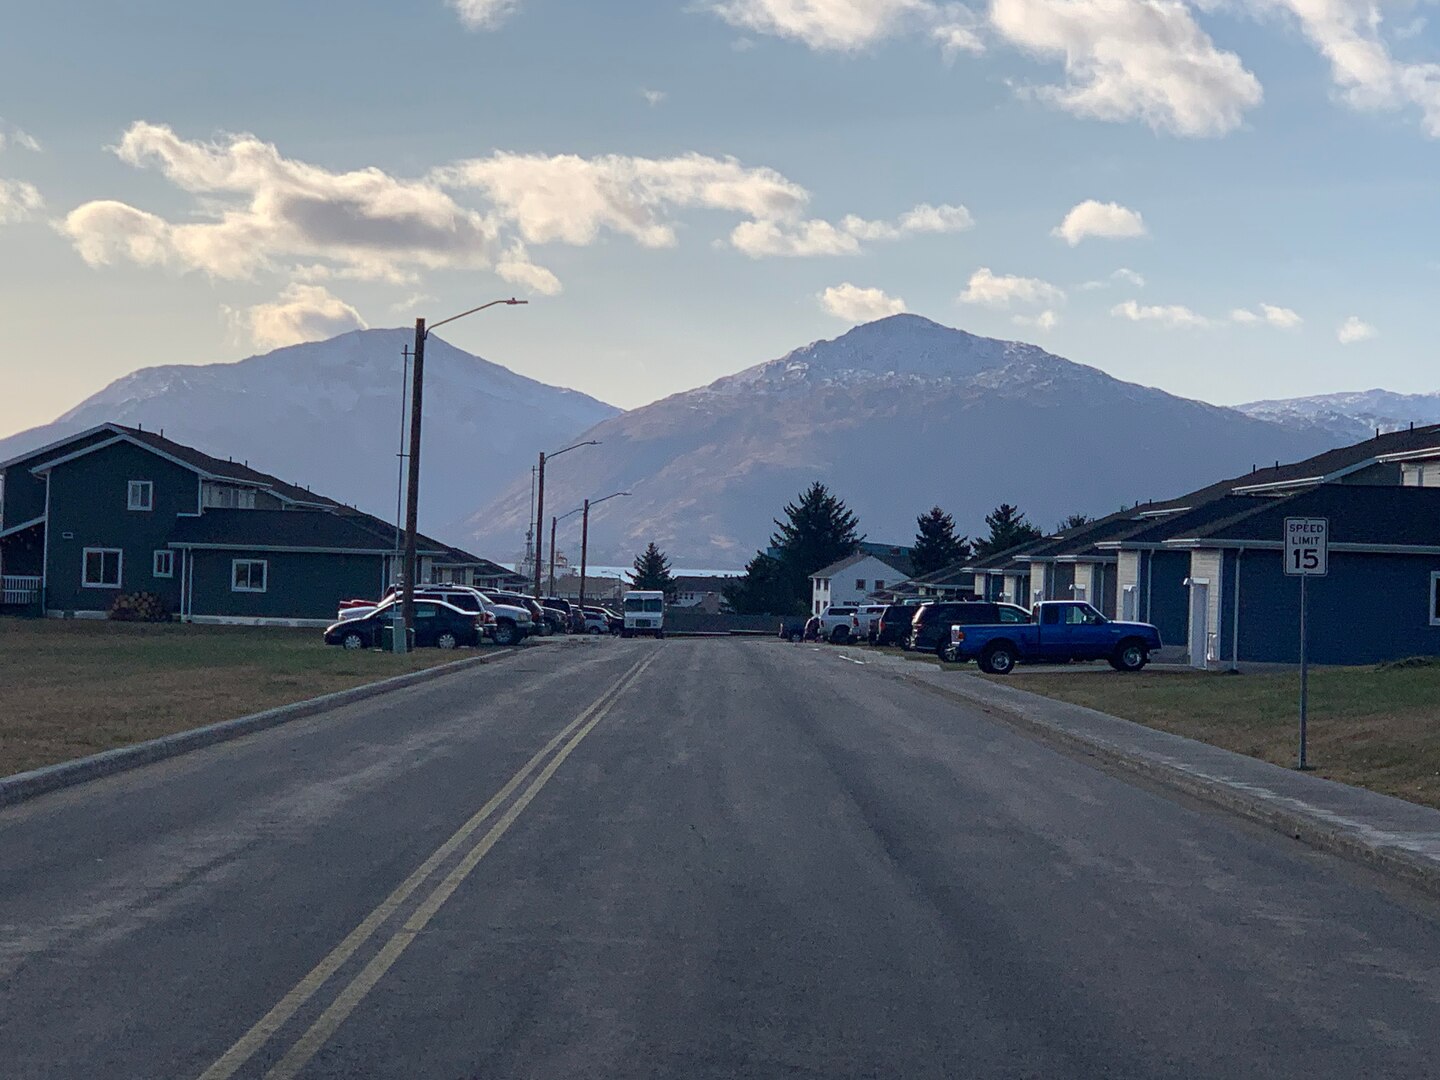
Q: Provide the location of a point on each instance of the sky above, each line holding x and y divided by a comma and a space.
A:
1227, 200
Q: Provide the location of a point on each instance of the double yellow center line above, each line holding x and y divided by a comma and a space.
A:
355, 990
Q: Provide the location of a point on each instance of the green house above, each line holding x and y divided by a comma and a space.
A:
119, 510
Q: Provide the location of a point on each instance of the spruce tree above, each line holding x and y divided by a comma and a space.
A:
1074, 521
652, 572
818, 530
1008, 528
936, 545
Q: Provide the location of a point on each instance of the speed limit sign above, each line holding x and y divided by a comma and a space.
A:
1307, 547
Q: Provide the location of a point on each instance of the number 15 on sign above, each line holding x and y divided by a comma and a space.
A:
1307, 547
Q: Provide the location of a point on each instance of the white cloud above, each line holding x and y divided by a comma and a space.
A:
483, 14
857, 305
1354, 329
570, 199
1046, 321
515, 267
259, 210
851, 25
1110, 221
1172, 315
1347, 33
1002, 290
1280, 317
408, 305
301, 313
653, 97
9, 133
1124, 275
811, 237
766, 239
843, 25
1133, 60
19, 201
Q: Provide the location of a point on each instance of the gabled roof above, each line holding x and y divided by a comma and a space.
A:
704, 582
288, 530
1363, 515
948, 575
211, 468
1002, 560
851, 560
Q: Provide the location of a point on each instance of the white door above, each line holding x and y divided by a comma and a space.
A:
1131, 604
1199, 622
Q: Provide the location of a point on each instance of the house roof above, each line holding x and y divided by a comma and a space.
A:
858, 557
704, 582
1002, 560
1363, 515
294, 530
187, 456
947, 575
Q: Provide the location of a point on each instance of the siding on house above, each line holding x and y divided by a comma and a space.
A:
88, 509
299, 585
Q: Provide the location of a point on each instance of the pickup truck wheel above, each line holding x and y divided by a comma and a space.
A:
840, 635
1130, 656
998, 660
505, 633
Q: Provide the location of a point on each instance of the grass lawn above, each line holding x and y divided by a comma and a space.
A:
1376, 727
71, 688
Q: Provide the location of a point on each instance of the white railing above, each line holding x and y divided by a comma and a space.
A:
19, 590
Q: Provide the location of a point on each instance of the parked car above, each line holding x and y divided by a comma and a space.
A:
792, 629
563, 618
1061, 630
438, 625
893, 626
596, 621
540, 625
930, 624
839, 625
510, 625
869, 616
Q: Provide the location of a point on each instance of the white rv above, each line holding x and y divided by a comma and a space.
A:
644, 614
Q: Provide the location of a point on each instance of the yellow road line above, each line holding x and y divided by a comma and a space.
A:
345, 1002
265, 1028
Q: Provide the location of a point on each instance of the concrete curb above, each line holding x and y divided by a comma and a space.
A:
1399, 838
64, 774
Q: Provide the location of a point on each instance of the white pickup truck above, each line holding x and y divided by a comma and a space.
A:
839, 625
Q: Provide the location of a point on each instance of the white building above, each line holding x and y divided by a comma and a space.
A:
849, 581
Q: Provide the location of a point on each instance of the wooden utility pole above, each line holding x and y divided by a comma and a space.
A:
412, 494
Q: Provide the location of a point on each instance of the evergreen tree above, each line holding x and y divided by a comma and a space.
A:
818, 529
1008, 528
1074, 521
936, 545
762, 591
652, 572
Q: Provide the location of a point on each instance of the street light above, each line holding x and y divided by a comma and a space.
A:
412, 500
540, 509
585, 541
553, 522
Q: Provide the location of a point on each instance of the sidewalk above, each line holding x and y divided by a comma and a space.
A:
1396, 836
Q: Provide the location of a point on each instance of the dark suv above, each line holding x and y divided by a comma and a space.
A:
893, 626
930, 626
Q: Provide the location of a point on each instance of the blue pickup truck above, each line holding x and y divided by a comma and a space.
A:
1058, 630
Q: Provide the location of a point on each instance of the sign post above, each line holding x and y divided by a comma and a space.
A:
1307, 555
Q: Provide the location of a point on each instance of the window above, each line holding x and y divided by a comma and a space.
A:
879, 584
102, 568
164, 564
228, 497
1010, 615
1435, 599
859, 584
140, 495
426, 611
248, 575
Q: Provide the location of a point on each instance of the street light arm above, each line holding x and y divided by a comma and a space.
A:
596, 502
472, 311
587, 442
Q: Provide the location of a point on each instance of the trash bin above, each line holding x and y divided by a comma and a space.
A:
387, 637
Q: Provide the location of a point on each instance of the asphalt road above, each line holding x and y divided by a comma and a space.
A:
706, 859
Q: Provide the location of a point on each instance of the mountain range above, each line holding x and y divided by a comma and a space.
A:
895, 415
327, 415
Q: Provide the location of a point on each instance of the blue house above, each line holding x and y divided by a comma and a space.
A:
119, 510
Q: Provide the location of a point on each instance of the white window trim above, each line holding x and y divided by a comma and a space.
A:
119, 570
1434, 585
147, 486
155, 563
235, 563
